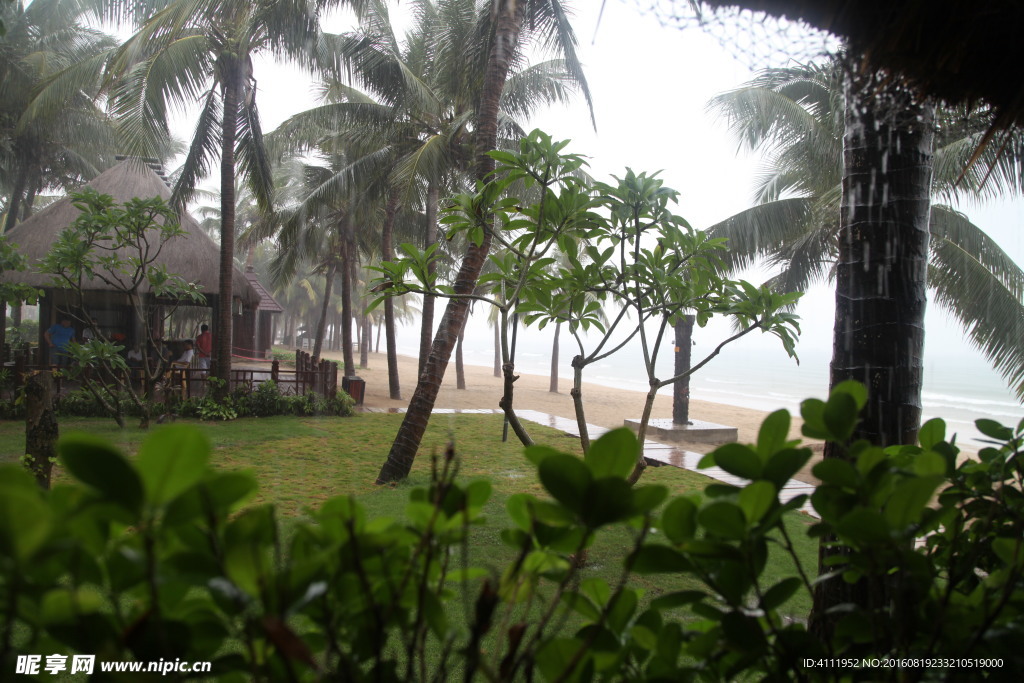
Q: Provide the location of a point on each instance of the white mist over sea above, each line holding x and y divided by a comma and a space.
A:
756, 373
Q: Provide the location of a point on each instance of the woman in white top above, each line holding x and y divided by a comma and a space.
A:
186, 355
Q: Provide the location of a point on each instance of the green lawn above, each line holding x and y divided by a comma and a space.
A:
301, 462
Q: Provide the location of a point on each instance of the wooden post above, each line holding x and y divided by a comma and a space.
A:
40, 426
275, 370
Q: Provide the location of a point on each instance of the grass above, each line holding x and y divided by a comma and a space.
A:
302, 462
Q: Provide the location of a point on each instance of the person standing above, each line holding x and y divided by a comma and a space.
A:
58, 337
204, 347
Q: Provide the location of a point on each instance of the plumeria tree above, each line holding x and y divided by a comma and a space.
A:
624, 249
119, 247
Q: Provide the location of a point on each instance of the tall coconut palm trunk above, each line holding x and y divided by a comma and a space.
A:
229, 132
347, 250
509, 21
427, 317
325, 310
883, 258
387, 252
880, 284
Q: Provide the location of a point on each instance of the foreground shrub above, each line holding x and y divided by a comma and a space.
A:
155, 559
265, 400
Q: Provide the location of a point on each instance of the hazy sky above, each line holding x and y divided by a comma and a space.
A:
650, 85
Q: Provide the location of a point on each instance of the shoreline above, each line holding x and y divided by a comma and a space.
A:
604, 406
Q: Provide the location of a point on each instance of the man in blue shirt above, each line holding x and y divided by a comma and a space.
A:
58, 337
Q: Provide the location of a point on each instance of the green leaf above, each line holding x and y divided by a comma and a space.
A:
518, 508
614, 454
1009, 550
778, 594
994, 429
782, 465
909, 499
478, 493
678, 599
66, 605
855, 390
655, 558
773, 433
739, 460
566, 478
813, 412
95, 462
607, 501
841, 414
836, 472
581, 604
724, 519
929, 463
25, 518
756, 499
171, 460
864, 526
646, 498
554, 656
679, 520
932, 432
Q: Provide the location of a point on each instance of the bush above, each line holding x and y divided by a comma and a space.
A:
81, 403
199, 578
266, 400
25, 333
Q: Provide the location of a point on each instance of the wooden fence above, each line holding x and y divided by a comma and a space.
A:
307, 377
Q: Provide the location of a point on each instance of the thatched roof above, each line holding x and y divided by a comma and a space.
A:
194, 256
267, 301
962, 52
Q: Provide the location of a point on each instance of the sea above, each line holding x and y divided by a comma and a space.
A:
755, 372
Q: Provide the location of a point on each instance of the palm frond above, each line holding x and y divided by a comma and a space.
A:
990, 313
761, 230
251, 153
202, 152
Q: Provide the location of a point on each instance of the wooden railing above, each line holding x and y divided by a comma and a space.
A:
307, 377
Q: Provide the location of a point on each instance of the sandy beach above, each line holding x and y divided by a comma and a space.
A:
605, 406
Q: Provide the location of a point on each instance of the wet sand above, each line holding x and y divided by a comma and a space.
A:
604, 406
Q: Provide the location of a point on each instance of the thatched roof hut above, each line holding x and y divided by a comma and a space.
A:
194, 256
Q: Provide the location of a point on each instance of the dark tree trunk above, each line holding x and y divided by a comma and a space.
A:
325, 309
509, 21
427, 321
460, 368
386, 250
681, 389
41, 429
229, 130
553, 384
346, 299
880, 284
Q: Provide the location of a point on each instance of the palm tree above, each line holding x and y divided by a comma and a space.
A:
202, 50
52, 133
795, 115
498, 50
